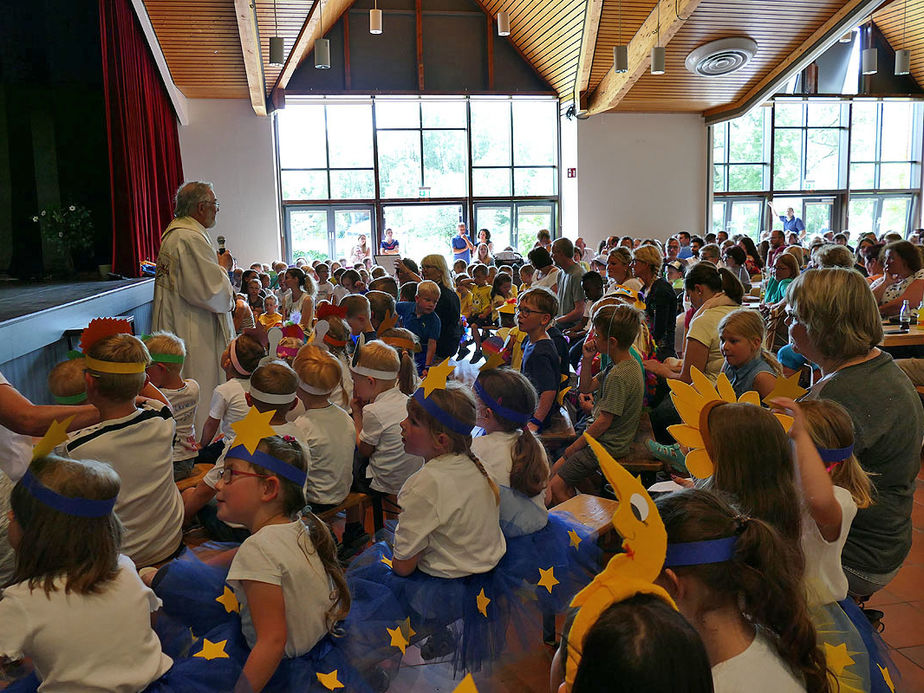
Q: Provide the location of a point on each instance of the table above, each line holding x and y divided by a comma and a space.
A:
914, 337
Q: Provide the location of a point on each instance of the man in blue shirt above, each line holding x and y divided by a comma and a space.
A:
685, 250
462, 247
792, 223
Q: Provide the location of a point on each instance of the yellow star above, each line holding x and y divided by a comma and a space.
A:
466, 685
229, 601
575, 539
212, 650
253, 428
886, 677
483, 602
388, 322
786, 387
493, 361
397, 638
436, 377
54, 436
386, 560
561, 395
329, 681
838, 658
547, 578
405, 626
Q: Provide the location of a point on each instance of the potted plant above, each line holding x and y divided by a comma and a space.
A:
67, 232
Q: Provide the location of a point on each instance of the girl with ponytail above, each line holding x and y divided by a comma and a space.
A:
731, 577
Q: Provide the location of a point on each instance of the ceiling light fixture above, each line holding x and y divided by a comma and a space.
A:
657, 51
375, 19
869, 59
321, 45
276, 47
503, 23
621, 51
903, 56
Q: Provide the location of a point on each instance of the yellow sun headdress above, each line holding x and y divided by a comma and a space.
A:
694, 404
631, 295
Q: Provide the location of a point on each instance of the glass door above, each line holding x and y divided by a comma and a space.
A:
321, 232
531, 217
349, 225
306, 228
498, 219
422, 229
745, 217
818, 215
879, 214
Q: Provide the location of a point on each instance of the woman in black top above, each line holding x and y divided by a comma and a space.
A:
448, 308
659, 297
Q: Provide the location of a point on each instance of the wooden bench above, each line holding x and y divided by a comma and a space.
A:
593, 512
352, 500
199, 471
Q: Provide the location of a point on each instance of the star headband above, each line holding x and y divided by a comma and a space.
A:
69, 505
100, 328
364, 370
232, 353
436, 380
835, 454
273, 464
249, 432
516, 417
700, 552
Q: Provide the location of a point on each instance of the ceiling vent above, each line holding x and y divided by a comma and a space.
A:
721, 57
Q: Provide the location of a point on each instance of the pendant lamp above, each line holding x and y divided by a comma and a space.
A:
321, 45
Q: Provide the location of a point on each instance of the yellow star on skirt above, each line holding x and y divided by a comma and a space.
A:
575, 539
387, 561
397, 638
838, 658
547, 578
212, 650
229, 601
466, 685
483, 602
329, 681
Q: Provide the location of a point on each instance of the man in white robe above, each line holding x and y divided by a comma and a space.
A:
193, 296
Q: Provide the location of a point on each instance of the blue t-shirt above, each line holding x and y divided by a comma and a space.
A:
460, 248
794, 224
541, 367
426, 327
389, 245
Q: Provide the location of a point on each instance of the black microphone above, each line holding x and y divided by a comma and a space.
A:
221, 245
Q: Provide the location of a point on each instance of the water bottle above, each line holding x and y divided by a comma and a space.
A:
904, 317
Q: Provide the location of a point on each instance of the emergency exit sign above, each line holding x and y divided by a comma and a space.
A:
572, 173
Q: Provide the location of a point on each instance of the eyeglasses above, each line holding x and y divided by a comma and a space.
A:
214, 203
522, 310
228, 474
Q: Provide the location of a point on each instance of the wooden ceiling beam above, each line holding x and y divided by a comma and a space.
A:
614, 86
592, 13
250, 48
846, 18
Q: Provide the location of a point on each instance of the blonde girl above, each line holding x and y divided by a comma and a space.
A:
74, 604
299, 298
748, 364
336, 341
407, 343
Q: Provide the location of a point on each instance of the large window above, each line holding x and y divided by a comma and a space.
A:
417, 165
851, 164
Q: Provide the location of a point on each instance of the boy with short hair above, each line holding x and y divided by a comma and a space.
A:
66, 382
407, 292
358, 315
481, 306
419, 318
535, 311
168, 352
381, 304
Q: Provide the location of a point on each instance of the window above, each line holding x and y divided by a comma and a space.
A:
739, 153
806, 145
880, 213
881, 146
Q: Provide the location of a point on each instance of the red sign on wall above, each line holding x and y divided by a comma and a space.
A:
572, 173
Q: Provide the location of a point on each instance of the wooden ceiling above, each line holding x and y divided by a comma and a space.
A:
220, 48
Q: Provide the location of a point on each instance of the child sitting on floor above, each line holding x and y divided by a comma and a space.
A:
419, 318
167, 355
358, 315
407, 345
66, 383
481, 307
229, 404
270, 317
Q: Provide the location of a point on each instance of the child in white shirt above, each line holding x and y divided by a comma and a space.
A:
77, 607
239, 360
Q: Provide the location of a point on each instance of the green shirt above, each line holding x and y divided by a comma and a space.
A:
619, 392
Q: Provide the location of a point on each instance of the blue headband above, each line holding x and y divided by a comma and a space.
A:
433, 409
700, 552
516, 417
835, 454
273, 464
69, 505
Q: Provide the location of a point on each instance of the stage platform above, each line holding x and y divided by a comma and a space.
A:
35, 317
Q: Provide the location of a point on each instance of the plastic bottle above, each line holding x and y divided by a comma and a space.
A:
904, 317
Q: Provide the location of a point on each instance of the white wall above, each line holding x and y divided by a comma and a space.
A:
642, 175
228, 144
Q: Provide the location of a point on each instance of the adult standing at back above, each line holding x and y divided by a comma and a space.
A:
193, 296
461, 246
570, 291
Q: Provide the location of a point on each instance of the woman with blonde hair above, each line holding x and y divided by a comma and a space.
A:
659, 297
448, 307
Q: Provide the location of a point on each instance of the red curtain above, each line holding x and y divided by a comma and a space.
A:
144, 146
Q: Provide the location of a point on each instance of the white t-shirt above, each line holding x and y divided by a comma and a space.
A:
85, 642
324, 291
229, 404
184, 402
758, 669
140, 448
825, 581
390, 466
548, 281
275, 555
450, 516
330, 434
339, 292
704, 328
15, 449
495, 450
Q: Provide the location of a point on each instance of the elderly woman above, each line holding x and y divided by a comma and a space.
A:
448, 307
785, 269
904, 278
833, 321
832, 255
660, 299
619, 269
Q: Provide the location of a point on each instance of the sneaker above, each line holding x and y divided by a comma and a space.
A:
353, 542
668, 453
439, 644
463, 352
874, 616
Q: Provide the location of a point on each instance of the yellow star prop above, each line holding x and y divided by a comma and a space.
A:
786, 387
547, 579
229, 601
405, 626
886, 677
838, 658
54, 436
436, 377
329, 681
503, 333
388, 322
253, 428
466, 685
387, 561
575, 539
212, 650
509, 308
493, 361
483, 602
397, 638
561, 395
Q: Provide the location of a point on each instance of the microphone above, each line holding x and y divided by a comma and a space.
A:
221, 245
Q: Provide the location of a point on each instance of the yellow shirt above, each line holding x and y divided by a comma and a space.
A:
481, 299
465, 304
270, 319
499, 301
514, 346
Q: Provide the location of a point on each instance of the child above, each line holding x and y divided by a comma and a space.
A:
229, 403
168, 352
459, 267
592, 283
380, 305
540, 363
509, 451
137, 442
527, 272
481, 307
407, 292
325, 427
748, 365
407, 344
270, 317
502, 290
358, 315
463, 291
324, 289
742, 597
419, 318
66, 382
75, 605
620, 388
285, 576
382, 465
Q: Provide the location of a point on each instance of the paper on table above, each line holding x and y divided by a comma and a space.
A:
665, 487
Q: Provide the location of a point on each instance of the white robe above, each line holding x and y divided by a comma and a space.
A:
193, 299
